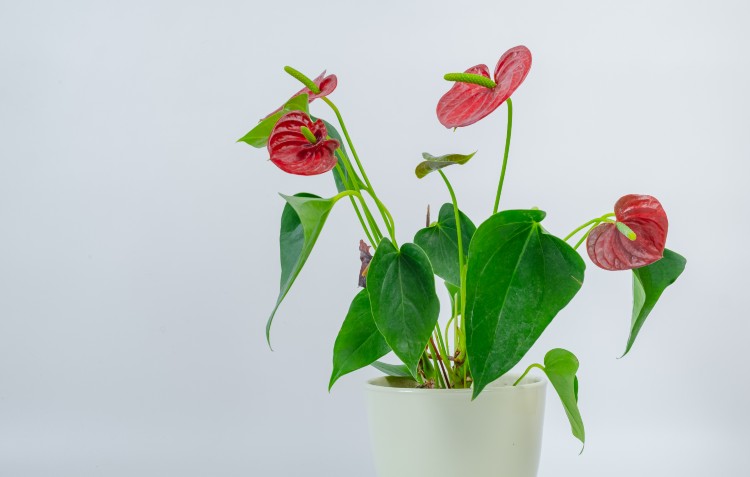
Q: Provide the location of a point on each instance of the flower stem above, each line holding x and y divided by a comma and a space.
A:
448, 326
343, 178
459, 331
383, 210
591, 224
583, 238
457, 216
505, 155
370, 219
592, 221
535, 365
390, 224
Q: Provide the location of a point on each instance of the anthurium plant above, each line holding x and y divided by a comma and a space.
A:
506, 275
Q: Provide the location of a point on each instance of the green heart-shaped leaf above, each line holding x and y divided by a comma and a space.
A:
518, 278
404, 304
258, 136
301, 223
561, 366
440, 242
649, 283
359, 342
432, 163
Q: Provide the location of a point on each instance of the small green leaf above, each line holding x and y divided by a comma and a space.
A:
432, 163
359, 342
258, 136
440, 242
396, 370
518, 279
561, 367
301, 223
301, 102
649, 283
403, 299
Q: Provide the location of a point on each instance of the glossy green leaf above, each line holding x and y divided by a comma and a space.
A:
396, 370
301, 222
432, 163
519, 277
561, 367
649, 283
440, 242
359, 342
301, 102
258, 136
404, 303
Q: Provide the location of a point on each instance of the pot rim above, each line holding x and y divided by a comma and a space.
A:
502, 384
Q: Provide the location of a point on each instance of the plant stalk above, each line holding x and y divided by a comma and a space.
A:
505, 155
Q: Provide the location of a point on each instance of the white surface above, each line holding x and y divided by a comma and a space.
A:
499, 434
138, 255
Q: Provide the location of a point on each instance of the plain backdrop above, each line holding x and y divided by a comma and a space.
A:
138, 241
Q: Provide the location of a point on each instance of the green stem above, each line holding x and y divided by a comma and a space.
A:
345, 193
459, 330
457, 216
461, 268
447, 329
348, 139
390, 224
370, 219
591, 224
342, 175
457, 342
578, 244
592, 221
371, 190
535, 365
505, 155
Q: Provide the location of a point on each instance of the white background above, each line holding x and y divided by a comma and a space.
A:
138, 241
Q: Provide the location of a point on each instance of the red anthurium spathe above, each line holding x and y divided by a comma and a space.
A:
467, 103
326, 84
610, 249
294, 153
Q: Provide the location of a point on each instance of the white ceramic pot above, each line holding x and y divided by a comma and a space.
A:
442, 433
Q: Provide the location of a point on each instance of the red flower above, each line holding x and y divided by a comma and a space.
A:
611, 250
294, 153
466, 103
326, 84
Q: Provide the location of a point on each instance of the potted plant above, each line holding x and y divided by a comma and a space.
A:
507, 278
